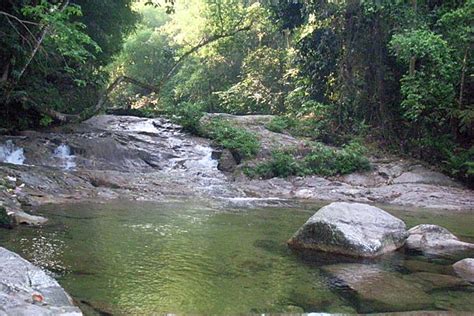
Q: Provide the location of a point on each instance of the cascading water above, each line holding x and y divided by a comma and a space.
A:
206, 162
9, 153
63, 153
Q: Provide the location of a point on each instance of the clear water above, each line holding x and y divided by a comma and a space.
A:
187, 257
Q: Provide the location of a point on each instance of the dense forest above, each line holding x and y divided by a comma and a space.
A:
393, 75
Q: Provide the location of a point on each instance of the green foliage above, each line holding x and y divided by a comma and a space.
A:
328, 161
53, 59
238, 140
188, 115
321, 160
5, 220
279, 124
282, 164
262, 88
428, 92
460, 164
45, 120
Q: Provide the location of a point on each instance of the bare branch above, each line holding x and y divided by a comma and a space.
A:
18, 19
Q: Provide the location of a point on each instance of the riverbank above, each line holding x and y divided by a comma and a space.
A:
111, 157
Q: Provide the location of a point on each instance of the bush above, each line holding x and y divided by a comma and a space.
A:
283, 164
322, 160
460, 164
278, 124
241, 142
188, 115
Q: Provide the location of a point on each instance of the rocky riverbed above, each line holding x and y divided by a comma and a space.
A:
112, 157
120, 157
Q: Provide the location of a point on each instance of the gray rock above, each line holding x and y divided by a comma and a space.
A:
227, 162
20, 217
465, 269
422, 175
21, 282
379, 290
435, 240
351, 229
435, 281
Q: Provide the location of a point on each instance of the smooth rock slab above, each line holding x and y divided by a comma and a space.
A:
435, 281
378, 290
435, 240
20, 217
465, 269
20, 281
352, 229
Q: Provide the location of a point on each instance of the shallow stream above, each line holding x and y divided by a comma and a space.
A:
191, 257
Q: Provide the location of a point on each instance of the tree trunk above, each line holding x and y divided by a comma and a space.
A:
463, 77
44, 31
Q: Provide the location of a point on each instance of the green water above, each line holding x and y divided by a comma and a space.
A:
187, 257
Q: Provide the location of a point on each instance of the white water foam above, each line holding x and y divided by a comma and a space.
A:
9, 153
206, 162
63, 153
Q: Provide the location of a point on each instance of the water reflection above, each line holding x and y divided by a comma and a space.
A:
142, 258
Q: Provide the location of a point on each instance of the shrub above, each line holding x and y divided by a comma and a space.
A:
188, 115
322, 160
278, 124
238, 140
283, 164
460, 164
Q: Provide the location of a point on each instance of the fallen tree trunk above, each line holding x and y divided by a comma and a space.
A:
116, 83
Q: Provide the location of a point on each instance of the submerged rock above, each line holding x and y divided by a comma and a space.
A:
379, 290
352, 229
434, 281
435, 240
465, 269
27, 290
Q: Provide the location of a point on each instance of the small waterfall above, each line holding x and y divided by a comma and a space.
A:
63, 153
9, 153
206, 162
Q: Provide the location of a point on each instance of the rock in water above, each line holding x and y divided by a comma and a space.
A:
353, 229
20, 217
27, 290
227, 161
435, 240
379, 290
465, 269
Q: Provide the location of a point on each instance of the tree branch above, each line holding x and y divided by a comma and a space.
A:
169, 73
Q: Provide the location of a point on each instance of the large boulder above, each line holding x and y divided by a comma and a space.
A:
352, 229
465, 269
378, 290
27, 290
435, 240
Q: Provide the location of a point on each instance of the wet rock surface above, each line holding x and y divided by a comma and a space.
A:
27, 290
352, 229
436, 240
108, 157
465, 269
434, 281
377, 289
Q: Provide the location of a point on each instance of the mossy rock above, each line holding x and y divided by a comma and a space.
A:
5, 219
